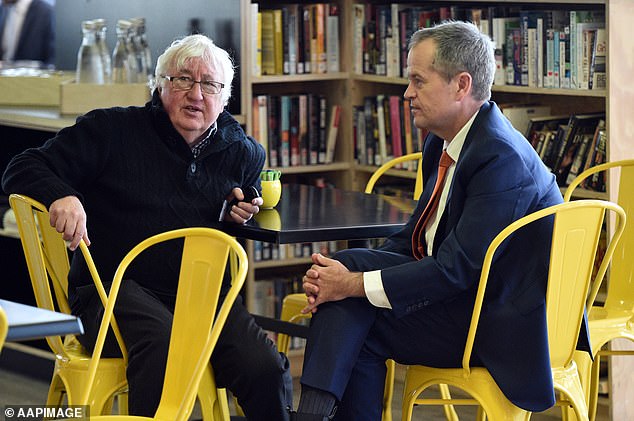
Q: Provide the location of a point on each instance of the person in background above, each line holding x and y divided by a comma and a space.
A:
411, 300
120, 175
27, 31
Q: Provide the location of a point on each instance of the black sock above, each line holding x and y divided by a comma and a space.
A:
316, 401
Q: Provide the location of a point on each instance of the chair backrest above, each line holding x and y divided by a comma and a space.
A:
196, 325
418, 186
4, 327
47, 262
576, 234
620, 288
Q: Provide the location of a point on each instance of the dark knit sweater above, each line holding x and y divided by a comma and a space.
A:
136, 176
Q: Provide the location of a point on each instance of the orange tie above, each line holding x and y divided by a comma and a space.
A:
418, 242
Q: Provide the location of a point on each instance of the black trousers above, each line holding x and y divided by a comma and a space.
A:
245, 360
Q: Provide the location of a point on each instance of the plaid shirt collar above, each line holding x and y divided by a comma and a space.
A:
200, 146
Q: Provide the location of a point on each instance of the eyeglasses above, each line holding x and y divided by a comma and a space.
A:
185, 83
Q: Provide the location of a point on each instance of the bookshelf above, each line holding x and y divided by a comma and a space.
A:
349, 86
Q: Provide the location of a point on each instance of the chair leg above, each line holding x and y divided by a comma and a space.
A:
56, 392
592, 394
450, 411
213, 401
480, 414
388, 392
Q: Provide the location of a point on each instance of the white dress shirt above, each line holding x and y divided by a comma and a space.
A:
372, 281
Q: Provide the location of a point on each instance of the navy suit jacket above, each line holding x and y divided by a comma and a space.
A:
37, 37
498, 179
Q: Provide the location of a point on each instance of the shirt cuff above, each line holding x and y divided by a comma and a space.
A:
373, 285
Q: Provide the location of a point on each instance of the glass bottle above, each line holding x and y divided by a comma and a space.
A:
142, 50
122, 69
103, 49
89, 63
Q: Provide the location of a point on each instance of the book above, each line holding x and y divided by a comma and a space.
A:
318, 38
359, 134
278, 42
333, 128
578, 124
395, 125
293, 121
371, 132
520, 114
381, 152
268, 43
307, 25
579, 157
597, 181
273, 121
256, 41
332, 38
581, 20
358, 23
313, 128
393, 44
304, 146
285, 131
598, 70
262, 123
544, 122
590, 156
292, 28
323, 127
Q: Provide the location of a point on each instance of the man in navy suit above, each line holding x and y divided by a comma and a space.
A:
411, 300
27, 31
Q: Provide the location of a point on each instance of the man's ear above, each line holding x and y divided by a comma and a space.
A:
464, 82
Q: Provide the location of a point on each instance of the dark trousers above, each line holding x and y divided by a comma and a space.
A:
245, 360
350, 340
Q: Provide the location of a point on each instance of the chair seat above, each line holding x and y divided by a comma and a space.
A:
606, 325
479, 384
70, 379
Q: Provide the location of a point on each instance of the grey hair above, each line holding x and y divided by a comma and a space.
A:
461, 47
181, 50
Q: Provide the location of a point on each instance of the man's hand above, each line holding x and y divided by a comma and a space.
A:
242, 211
69, 218
329, 280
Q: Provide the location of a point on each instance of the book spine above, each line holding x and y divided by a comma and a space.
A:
332, 38
333, 128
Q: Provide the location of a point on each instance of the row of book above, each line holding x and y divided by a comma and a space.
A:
560, 48
568, 145
383, 129
295, 39
296, 129
268, 251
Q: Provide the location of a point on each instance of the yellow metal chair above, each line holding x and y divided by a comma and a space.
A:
4, 327
615, 318
576, 234
294, 303
418, 185
47, 261
196, 325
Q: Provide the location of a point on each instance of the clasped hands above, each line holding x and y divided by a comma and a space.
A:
329, 280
